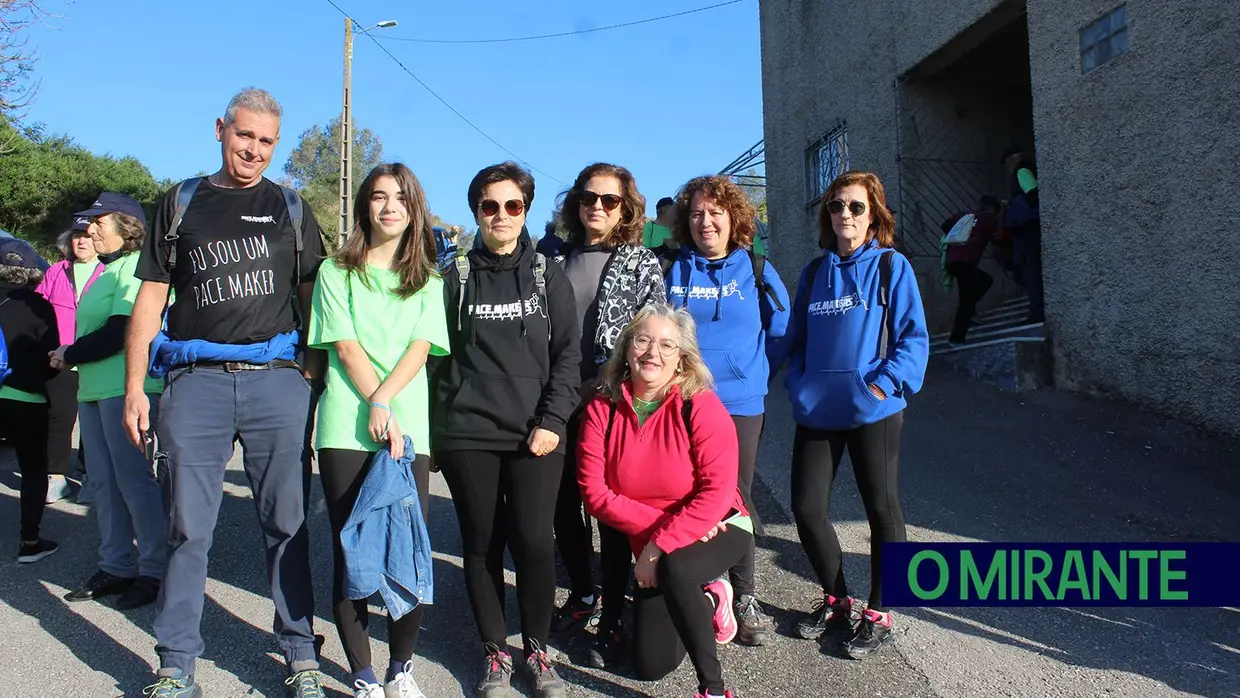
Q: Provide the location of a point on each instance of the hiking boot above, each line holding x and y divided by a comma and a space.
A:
872, 633
100, 584
543, 678
608, 651
830, 616
755, 626
576, 614
143, 591
720, 594
33, 552
171, 684
305, 684
497, 683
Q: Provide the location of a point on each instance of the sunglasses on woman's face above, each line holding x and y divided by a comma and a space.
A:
610, 201
836, 207
490, 207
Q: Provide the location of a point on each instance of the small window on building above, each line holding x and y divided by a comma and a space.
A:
1104, 38
825, 160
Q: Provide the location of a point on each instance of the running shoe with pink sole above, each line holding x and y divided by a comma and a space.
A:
720, 594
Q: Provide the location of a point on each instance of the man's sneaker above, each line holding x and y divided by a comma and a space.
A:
33, 552
873, 632
497, 682
755, 626
171, 684
57, 488
100, 584
720, 594
402, 685
365, 689
828, 615
546, 682
305, 684
576, 614
143, 591
608, 650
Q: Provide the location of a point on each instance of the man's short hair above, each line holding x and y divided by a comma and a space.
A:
665, 201
252, 99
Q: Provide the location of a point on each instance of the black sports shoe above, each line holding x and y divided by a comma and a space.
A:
543, 677
873, 632
755, 626
143, 591
830, 616
497, 682
100, 584
33, 552
608, 651
576, 614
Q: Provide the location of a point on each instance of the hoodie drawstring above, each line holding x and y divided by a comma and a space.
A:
712, 273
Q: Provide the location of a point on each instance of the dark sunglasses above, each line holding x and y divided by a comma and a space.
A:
610, 201
836, 207
490, 207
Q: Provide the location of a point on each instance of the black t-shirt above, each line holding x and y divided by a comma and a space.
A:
235, 263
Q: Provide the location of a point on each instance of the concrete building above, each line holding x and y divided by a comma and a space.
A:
1132, 110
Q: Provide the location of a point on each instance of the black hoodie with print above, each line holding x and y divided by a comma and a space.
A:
515, 354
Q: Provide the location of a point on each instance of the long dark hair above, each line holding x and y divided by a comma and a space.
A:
628, 230
415, 255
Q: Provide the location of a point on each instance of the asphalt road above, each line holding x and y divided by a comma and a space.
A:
977, 465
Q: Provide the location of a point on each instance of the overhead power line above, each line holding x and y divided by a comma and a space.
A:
561, 34
451, 108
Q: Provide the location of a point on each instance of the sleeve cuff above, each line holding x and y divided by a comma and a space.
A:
884, 383
553, 425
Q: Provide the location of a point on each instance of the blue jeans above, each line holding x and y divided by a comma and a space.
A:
205, 410
129, 500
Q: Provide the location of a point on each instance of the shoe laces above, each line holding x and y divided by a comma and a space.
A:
748, 608
163, 686
404, 681
308, 683
365, 689
498, 662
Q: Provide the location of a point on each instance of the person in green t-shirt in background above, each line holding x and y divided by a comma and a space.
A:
378, 311
658, 232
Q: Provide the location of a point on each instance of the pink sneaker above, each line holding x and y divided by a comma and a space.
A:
720, 594
726, 694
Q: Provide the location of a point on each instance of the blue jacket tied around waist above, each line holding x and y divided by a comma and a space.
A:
168, 353
385, 543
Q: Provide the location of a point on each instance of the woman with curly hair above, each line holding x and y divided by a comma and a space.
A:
739, 303
613, 277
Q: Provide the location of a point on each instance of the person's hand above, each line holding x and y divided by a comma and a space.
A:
719, 528
878, 392
396, 440
57, 358
542, 442
646, 570
137, 413
381, 420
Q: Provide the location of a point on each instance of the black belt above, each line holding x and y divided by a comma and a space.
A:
238, 366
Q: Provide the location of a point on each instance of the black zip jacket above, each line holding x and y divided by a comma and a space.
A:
515, 355
28, 321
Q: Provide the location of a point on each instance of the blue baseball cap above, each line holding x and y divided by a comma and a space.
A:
111, 202
18, 253
80, 224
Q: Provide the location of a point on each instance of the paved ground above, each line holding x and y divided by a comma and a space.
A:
978, 465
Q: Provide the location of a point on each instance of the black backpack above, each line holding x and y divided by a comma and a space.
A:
667, 259
884, 296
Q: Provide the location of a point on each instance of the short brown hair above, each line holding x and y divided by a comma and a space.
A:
503, 172
882, 222
632, 207
723, 191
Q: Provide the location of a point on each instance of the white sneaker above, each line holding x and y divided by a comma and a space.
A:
57, 488
363, 689
403, 685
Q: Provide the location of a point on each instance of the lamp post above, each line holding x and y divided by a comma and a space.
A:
346, 127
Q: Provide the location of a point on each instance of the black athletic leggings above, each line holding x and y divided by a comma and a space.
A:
676, 617
62, 415
749, 435
875, 453
573, 536
520, 489
343, 473
24, 426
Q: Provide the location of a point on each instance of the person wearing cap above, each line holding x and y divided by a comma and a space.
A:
63, 285
658, 232
28, 330
129, 501
241, 277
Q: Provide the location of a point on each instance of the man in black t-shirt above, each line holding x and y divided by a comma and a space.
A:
241, 297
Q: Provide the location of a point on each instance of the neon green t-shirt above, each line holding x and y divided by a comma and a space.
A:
82, 271
654, 234
11, 393
385, 324
113, 293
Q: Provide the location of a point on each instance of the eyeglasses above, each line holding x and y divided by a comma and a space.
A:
836, 207
642, 342
610, 201
490, 207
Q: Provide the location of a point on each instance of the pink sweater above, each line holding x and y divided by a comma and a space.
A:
58, 290
649, 481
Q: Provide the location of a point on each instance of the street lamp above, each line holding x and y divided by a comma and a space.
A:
346, 126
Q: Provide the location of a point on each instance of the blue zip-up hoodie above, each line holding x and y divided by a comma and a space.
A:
735, 320
833, 337
385, 543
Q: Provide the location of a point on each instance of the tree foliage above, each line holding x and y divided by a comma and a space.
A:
313, 167
17, 58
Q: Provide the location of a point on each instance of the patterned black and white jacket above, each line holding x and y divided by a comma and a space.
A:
631, 280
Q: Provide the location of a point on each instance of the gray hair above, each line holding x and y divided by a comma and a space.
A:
693, 376
20, 276
64, 242
252, 99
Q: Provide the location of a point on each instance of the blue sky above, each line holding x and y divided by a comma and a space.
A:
669, 99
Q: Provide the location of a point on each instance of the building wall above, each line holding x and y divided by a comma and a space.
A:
1137, 163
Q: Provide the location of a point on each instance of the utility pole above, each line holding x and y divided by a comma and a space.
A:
346, 128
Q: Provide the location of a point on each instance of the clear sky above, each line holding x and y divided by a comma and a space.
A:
669, 99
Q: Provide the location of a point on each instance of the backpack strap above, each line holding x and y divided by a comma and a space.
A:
611, 417
5, 371
293, 201
686, 414
811, 271
183, 194
884, 299
540, 281
462, 271
759, 278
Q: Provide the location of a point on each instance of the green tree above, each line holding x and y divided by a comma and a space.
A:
313, 167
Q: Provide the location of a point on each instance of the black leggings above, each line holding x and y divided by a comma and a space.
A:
573, 536
875, 453
520, 489
24, 426
343, 473
749, 435
61, 416
676, 616
974, 284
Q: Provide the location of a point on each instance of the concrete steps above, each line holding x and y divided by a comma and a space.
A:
1002, 349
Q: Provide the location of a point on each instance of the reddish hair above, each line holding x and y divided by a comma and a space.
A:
723, 191
882, 222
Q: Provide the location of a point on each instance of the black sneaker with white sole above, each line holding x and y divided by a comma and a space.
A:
35, 551
829, 616
873, 631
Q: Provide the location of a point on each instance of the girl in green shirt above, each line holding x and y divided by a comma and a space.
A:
378, 312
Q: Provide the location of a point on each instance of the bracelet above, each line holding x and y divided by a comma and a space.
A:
381, 406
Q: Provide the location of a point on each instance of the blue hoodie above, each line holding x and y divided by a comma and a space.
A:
833, 336
734, 322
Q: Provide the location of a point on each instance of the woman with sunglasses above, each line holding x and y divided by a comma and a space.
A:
613, 277
502, 401
857, 348
378, 312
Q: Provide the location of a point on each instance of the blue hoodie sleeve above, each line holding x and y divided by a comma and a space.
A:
904, 370
774, 320
788, 346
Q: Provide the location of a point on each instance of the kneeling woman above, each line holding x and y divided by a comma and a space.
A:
657, 460
378, 311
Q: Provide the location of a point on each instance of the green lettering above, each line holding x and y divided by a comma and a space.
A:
1073, 576
1015, 575
1038, 577
1143, 574
1102, 568
1167, 575
969, 575
944, 575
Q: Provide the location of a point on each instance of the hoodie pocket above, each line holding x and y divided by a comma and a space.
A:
494, 405
723, 365
833, 399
